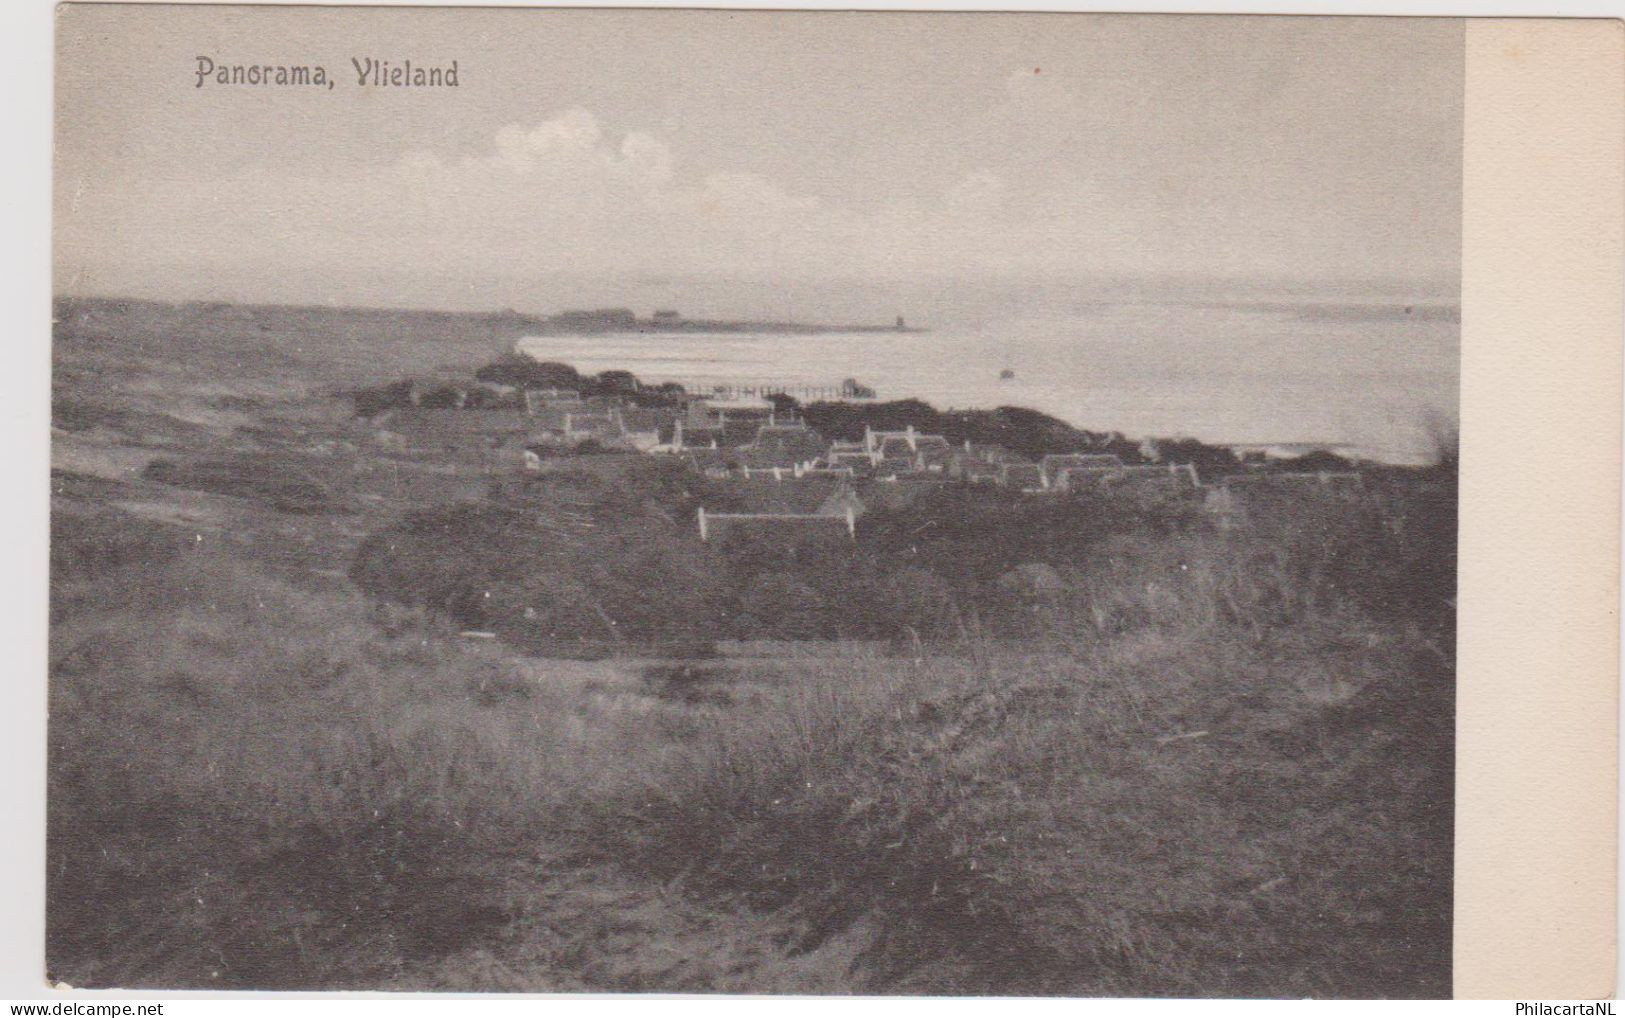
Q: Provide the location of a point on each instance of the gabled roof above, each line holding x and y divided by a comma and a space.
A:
987, 453
846, 456
1182, 474
787, 446
1021, 475
895, 447
1179, 477
764, 494
736, 433
549, 418
590, 420
703, 457
1252, 477
1338, 480
694, 438
1175, 476
450, 423
646, 419
902, 491
1085, 477
913, 439
1059, 461
701, 415
891, 465
539, 399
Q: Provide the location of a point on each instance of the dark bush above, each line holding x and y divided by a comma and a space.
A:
568, 561
523, 372
373, 401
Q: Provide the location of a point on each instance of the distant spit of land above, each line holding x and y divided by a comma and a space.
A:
625, 320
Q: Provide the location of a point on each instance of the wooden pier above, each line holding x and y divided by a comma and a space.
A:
802, 392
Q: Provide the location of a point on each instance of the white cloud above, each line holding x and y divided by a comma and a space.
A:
647, 158
568, 194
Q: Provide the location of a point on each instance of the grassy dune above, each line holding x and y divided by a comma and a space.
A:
1216, 764
298, 790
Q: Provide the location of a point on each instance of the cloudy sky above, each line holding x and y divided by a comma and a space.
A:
794, 148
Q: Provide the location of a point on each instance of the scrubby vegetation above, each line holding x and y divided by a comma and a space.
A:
576, 564
573, 560
1152, 799
1213, 765
1083, 747
565, 561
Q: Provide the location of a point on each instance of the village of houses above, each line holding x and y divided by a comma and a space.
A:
774, 471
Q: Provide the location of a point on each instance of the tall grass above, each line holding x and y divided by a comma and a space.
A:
1215, 764
274, 787
1182, 812
1218, 764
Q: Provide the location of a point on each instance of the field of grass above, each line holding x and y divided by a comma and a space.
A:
1215, 764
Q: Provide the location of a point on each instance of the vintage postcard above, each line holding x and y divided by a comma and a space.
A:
772, 502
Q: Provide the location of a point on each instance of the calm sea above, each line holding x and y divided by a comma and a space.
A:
1376, 378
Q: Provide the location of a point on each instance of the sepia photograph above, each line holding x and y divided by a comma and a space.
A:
754, 502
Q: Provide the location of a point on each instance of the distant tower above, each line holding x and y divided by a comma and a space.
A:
900, 325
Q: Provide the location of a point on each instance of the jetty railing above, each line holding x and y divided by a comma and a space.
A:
802, 391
